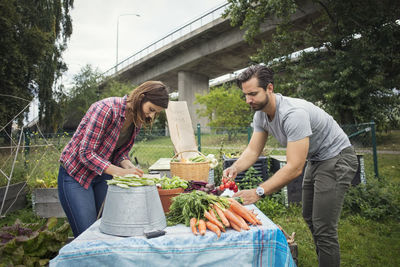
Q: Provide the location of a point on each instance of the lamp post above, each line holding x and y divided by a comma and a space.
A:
121, 15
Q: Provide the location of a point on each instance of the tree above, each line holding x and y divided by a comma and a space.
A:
33, 36
116, 88
81, 96
352, 66
225, 108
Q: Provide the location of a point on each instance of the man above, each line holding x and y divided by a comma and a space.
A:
308, 133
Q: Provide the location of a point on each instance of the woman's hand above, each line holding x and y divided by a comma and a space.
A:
125, 169
133, 170
128, 166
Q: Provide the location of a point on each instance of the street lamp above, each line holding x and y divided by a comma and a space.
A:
121, 15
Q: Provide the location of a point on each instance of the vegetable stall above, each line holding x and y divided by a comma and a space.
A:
205, 226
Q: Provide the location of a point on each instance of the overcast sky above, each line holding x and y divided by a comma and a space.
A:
94, 36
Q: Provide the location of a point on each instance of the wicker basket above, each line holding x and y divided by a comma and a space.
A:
197, 171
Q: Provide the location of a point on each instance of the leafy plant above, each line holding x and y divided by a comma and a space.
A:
48, 179
377, 199
31, 244
171, 183
271, 206
250, 179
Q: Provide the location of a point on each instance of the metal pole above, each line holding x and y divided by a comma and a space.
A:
198, 137
249, 132
116, 57
375, 154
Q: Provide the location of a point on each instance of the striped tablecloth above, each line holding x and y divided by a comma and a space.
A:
263, 245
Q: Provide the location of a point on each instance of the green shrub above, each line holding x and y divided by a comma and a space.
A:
378, 199
273, 205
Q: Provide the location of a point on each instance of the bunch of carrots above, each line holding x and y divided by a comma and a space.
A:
203, 211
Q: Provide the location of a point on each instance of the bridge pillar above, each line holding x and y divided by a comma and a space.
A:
190, 84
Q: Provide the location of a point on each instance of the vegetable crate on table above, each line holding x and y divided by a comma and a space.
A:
261, 166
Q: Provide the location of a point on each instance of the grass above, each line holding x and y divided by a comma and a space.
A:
389, 140
363, 242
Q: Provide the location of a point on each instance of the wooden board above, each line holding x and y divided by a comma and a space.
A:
180, 128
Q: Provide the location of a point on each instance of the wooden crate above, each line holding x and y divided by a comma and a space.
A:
46, 203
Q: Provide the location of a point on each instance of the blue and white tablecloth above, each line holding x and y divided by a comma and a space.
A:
263, 245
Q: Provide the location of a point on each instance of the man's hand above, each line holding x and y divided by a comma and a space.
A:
230, 173
249, 196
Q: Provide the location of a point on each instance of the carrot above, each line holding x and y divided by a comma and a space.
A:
233, 218
215, 216
254, 215
213, 228
193, 222
234, 226
214, 220
222, 216
243, 224
202, 227
241, 211
212, 213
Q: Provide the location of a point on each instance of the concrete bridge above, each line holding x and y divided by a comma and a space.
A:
187, 63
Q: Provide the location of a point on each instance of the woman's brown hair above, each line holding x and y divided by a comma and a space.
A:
154, 91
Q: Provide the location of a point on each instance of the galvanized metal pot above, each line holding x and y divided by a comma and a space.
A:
132, 211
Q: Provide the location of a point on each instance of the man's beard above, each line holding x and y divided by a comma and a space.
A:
260, 106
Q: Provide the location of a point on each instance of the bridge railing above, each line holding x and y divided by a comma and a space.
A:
169, 38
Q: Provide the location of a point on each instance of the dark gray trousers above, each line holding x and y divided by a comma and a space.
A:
324, 186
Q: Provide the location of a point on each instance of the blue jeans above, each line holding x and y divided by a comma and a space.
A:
81, 205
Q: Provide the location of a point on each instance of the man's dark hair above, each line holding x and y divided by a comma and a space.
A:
263, 74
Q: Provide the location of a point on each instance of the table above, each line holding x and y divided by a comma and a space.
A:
161, 166
263, 245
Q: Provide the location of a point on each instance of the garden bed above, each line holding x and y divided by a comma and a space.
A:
12, 195
46, 203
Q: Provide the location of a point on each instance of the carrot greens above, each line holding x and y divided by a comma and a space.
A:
192, 205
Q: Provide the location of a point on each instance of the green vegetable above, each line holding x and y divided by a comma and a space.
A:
199, 158
192, 205
171, 183
130, 180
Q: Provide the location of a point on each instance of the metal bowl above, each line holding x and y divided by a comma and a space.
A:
132, 212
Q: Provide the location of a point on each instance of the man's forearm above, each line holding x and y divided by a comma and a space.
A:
246, 160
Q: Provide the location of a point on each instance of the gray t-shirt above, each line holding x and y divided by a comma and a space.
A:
296, 119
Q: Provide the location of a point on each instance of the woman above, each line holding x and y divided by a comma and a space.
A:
99, 149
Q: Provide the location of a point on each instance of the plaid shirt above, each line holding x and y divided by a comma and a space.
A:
88, 152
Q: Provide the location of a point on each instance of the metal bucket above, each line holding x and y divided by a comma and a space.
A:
132, 212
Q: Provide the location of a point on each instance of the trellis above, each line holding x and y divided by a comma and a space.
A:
15, 147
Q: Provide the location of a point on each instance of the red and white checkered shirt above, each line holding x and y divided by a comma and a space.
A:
89, 151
